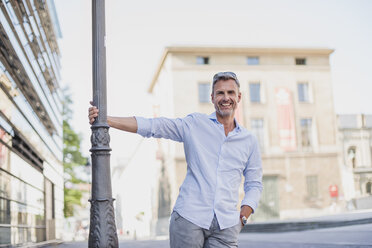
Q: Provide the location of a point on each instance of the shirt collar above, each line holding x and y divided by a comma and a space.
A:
213, 117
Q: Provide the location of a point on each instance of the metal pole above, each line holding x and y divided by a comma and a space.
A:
102, 233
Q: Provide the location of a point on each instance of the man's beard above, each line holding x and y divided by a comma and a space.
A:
225, 113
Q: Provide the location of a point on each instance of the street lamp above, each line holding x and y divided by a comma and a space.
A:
102, 231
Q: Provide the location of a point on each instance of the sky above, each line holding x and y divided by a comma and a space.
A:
138, 31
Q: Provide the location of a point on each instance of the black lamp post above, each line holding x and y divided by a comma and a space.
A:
102, 233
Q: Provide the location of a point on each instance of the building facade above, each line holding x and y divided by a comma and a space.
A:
286, 102
355, 134
31, 170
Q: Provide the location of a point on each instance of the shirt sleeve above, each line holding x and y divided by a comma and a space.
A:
161, 127
253, 178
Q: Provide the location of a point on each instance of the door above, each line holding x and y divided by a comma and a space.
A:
268, 207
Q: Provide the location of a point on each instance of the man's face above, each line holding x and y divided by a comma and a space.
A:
225, 97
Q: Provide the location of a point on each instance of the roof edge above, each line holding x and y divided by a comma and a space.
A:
158, 69
235, 50
261, 50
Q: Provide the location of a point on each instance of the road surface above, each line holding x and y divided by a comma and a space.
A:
347, 236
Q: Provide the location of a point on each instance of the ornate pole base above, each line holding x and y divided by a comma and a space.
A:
102, 231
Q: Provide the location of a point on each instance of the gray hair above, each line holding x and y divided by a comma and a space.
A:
226, 75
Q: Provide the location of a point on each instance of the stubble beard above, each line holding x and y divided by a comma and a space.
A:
225, 113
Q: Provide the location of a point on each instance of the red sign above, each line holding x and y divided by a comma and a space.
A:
333, 191
286, 120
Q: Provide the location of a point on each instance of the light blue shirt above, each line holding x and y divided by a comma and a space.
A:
215, 165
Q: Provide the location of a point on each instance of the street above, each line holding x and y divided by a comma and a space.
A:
348, 236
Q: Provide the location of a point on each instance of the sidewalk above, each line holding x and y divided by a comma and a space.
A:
337, 220
328, 231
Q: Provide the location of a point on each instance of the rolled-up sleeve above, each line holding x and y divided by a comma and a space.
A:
253, 178
161, 127
144, 126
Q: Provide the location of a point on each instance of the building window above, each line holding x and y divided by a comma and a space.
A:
204, 92
253, 60
202, 60
27, 152
257, 128
369, 188
300, 61
351, 155
255, 92
312, 186
306, 133
303, 92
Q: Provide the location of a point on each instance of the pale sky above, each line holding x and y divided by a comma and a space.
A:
138, 31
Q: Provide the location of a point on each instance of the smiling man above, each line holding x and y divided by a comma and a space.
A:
218, 153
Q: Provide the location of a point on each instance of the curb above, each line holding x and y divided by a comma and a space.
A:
300, 226
48, 243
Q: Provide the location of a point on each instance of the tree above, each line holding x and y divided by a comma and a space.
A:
72, 158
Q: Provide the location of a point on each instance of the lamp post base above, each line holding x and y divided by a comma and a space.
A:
102, 231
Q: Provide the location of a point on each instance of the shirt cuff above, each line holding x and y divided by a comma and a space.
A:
251, 199
143, 126
251, 204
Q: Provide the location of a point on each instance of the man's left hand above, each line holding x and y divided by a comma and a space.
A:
245, 211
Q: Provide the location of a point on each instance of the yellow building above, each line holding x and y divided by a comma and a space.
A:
286, 102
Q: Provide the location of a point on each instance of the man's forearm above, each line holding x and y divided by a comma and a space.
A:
128, 124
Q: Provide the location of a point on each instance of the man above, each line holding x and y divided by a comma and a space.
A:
218, 152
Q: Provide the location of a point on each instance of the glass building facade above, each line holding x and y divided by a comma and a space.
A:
31, 145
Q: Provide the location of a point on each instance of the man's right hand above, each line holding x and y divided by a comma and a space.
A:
93, 113
128, 124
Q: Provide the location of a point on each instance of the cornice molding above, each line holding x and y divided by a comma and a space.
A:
254, 51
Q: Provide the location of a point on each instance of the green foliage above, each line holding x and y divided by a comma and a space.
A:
72, 197
72, 158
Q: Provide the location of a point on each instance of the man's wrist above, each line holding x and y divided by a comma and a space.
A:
245, 211
249, 207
